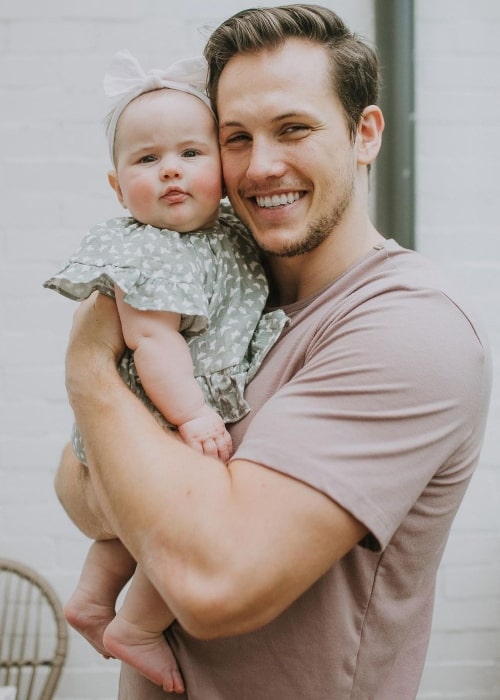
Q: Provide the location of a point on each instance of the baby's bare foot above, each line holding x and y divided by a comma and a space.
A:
90, 619
147, 652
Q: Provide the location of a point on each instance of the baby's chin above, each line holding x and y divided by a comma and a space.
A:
186, 226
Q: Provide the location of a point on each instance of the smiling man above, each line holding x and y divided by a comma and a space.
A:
289, 162
305, 569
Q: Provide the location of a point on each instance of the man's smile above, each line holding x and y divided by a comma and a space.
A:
277, 200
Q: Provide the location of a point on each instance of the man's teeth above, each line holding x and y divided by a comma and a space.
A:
277, 200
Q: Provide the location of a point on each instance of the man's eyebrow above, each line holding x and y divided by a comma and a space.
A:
289, 115
276, 119
230, 123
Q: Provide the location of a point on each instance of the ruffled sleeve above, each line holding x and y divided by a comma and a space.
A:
157, 270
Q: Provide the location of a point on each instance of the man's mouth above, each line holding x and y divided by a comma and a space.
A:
277, 200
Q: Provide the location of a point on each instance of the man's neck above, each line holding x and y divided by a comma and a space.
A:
296, 278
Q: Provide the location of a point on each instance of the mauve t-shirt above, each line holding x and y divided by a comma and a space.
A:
377, 396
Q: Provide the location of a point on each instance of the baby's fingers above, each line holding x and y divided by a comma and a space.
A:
210, 448
224, 446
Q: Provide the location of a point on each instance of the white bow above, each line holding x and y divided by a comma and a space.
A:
125, 80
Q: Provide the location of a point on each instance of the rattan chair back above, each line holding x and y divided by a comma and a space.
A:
33, 632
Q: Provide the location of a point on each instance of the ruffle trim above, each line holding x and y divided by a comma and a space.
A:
155, 293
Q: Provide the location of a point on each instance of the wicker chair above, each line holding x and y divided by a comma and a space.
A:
33, 632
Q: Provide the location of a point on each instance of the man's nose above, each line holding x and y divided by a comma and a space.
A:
266, 160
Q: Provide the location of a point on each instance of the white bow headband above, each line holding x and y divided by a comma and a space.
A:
125, 80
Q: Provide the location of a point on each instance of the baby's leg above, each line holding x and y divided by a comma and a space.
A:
136, 635
91, 608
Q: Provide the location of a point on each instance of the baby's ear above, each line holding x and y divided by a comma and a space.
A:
115, 185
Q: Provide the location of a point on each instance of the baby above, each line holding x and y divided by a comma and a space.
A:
190, 291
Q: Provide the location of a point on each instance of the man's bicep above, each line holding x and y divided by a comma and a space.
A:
295, 534
275, 537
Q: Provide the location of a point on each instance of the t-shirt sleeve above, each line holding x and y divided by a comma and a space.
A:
386, 399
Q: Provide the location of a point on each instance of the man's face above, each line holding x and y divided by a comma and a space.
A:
289, 163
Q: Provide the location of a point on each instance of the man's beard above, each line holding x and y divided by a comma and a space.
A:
317, 231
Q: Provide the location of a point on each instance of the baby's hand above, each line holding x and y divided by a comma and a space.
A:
207, 433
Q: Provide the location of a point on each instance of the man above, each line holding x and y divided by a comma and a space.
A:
306, 568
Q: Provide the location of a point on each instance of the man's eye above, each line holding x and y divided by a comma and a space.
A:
296, 130
236, 139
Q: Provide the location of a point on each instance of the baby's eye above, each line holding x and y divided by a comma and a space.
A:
149, 158
190, 153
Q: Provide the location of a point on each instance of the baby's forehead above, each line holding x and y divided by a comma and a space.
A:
170, 100
165, 115
166, 109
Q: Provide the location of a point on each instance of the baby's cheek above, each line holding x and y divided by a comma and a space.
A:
214, 190
140, 194
142, 189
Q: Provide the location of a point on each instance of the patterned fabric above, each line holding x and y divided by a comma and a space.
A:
213, 278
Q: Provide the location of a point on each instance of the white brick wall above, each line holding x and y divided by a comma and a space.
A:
458, 98
53, 163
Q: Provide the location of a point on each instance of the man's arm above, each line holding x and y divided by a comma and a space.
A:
76, 494
227, 548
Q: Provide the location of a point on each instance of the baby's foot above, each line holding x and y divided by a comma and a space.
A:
147, 652
89, 618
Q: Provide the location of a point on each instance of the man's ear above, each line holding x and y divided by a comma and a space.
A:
369, 136
115, 185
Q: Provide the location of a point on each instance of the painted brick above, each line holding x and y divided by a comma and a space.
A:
53, 165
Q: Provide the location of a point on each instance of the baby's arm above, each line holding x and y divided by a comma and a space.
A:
165, 367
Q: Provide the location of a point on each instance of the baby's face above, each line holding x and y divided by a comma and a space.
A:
168, 169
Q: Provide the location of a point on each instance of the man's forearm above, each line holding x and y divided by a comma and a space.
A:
221, 545
76, 494
140, 476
